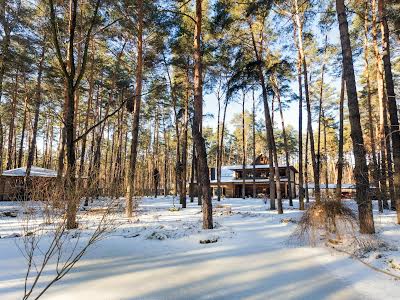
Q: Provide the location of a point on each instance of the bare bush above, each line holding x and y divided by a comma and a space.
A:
325, 220
47, 244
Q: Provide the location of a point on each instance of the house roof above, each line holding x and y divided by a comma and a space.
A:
248, 180
228, 172
249, 167
35, 172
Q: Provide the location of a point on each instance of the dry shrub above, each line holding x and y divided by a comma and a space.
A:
364, 244
49, 246
326, 220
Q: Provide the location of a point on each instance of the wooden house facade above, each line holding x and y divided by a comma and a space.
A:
12, 182
232, 179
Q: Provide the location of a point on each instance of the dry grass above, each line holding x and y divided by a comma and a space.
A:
327, 220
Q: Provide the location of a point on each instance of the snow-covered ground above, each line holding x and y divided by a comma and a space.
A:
158, 255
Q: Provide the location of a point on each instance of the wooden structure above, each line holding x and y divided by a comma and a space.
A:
348, 190
232, 179
12, 182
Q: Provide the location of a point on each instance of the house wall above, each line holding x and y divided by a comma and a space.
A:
13, 188
234, 190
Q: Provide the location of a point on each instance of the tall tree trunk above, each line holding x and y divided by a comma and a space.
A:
325, 153
254, 146
340, 161
70, 151
4, 59
136, 113
1, 146
361, 170
11, 127
88, 109
299, 25
307, 194
243, 151
46, 142
21, 143
219, 140
388, 149
394, 120
50, 154
381, 98
192, 173
375, 171
301, 178
178, 166
166, 154
221, 148
269, 126
69, 120
320, 118
32, 146
72, 79
203, 174
286, 145
185, 144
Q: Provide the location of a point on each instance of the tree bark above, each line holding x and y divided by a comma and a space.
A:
243, 150
307, 194
136, 113
269, 126
285, 142
192, 173
325, 152
185, 144
221, 147
11, 127
375, 171
394, 120
32, 146
4, 56
254, 146
361, 170
317, 191
21, 143
88, 109
320, 114
301, 178
303, 60
203, 174
72, 79
340, 161
381, 98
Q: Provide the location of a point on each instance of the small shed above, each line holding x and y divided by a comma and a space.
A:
12, 185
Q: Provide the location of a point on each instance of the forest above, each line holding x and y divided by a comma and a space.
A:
115, 112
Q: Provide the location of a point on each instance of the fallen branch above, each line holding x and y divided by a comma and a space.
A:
365, 263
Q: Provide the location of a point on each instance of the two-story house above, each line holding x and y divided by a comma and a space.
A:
232, 179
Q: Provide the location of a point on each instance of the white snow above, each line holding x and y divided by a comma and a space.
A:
35, 172
158, 255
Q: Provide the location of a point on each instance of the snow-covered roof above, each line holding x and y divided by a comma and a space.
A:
248, 180
228, 174
35, 172
250, 167
240, 167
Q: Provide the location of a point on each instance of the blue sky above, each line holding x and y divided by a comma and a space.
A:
292, 112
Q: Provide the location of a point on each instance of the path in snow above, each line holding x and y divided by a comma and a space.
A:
256, 263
